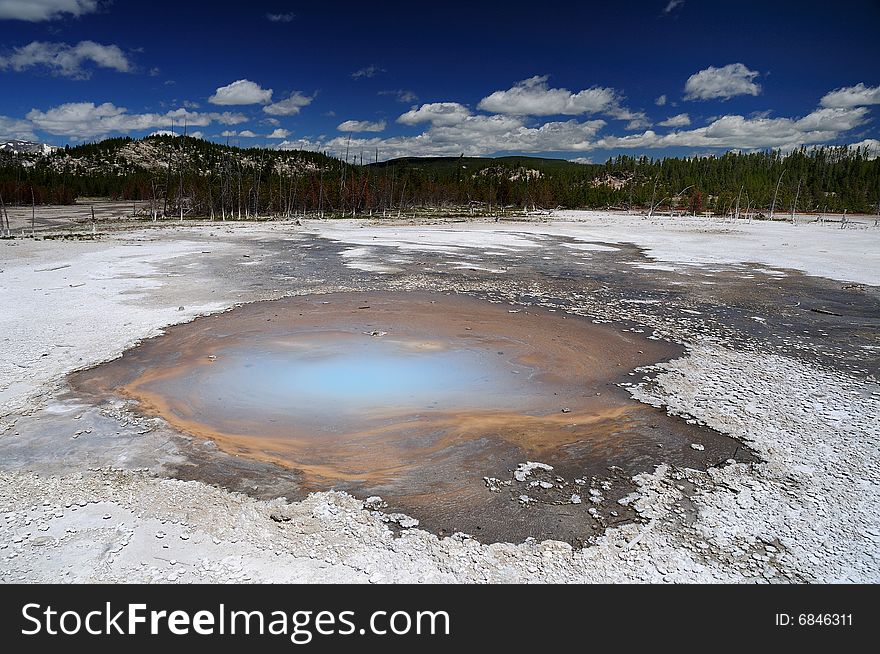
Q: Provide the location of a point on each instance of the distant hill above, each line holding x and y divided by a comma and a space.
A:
155, 154
26, 147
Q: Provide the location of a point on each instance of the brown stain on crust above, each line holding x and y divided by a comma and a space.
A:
420, 459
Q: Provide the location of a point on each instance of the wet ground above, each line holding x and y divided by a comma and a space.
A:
832, 324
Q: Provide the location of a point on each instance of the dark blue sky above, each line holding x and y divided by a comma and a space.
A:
570, 79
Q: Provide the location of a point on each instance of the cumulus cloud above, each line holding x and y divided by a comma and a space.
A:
66, 60
852, 96
291, 106
679, 120
451, 128
361, 126
721, 83
241, 92
534, 97
14, 128
436, 113
40, 10
279, 133
402, 95
661, 101
477, 135
245, 134
367, 72
280, 18
85, 120
820, 126
454, 131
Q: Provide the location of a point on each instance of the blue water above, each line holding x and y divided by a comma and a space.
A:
320, 377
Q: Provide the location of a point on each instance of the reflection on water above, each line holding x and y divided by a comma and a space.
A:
329, 378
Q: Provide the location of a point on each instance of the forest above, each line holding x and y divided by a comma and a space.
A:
189, 177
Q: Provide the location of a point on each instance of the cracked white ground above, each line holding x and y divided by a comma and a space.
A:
809, 512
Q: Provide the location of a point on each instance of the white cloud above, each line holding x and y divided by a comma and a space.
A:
473, 135
66, 60
852, 96
280, 18
13, 128
533, 97
721, 83
361, 126
290, 106
367, 72
452, 129
279, 133
820, 126
679, 120
40, 10
182, 115
436, 113
241, 92
85, 120
672, 6
245, 134
661, 101
402, 95
582, 160
636, 119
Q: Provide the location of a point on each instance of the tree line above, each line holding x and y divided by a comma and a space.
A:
186, 177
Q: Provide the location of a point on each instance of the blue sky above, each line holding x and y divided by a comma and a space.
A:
577, 80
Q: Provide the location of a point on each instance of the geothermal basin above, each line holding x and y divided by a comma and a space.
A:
439, 404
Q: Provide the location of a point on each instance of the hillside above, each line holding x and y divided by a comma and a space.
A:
193, 177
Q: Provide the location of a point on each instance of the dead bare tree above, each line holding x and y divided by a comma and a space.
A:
653, 196
180, 158
796, 196
168, 173
4, 215
776, 193
738, 197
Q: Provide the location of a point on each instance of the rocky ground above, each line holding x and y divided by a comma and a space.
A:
782, 344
